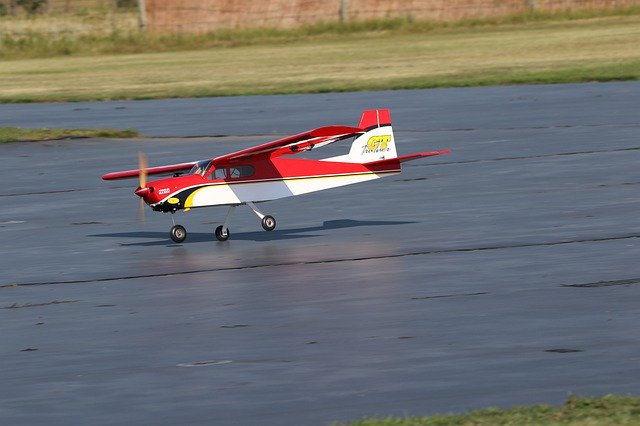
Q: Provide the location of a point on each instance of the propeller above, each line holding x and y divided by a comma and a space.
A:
142, 168
142, 175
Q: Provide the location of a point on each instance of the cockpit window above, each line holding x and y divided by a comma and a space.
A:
218, 174
241, 171
200, 168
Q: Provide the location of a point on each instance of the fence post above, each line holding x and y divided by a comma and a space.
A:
344, 11
532, 5
142, 15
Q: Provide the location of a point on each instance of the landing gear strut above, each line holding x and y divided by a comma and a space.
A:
178, 233
268, 222
222, 231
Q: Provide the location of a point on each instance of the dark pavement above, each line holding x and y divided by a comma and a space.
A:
504, 273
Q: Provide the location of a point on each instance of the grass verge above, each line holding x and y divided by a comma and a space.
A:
99, 33
579, 50
13, 134
609, 410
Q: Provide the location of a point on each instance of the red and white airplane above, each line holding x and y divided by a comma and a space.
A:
267, 172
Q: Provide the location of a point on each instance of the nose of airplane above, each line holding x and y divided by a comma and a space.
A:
141, 192
144, 193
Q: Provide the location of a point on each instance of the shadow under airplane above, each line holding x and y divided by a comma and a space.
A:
278, 234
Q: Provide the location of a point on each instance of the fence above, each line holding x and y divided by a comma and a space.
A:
13, 7
57, 18
211, 15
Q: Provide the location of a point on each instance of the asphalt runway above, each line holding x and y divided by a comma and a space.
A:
504, 273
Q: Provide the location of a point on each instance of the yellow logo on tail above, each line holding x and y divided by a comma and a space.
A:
377, 144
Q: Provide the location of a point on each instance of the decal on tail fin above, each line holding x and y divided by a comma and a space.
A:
376, 143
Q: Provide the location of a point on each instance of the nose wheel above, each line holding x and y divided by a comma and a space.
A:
178, 234
222, 234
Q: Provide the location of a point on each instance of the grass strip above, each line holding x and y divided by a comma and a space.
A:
609, 410
59, 35
599, 49
14, 134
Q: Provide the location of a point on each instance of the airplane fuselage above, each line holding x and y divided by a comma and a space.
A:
257, 181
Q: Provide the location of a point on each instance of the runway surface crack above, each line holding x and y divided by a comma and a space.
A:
627, 282
59, 191
445, 296
32, 305
549, 127
529, 157
328, 261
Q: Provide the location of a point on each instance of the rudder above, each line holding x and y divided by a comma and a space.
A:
374, 118
377, 141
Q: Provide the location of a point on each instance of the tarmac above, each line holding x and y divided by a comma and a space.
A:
504, 273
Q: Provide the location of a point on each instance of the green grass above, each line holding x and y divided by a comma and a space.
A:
13, 134
103, 32
515, 51
609, 410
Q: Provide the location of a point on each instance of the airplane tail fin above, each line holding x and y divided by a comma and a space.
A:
376, 143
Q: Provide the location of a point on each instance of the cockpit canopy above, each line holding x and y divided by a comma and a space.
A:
201, 168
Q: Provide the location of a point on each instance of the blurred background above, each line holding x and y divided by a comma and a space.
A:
76, 50
82, 16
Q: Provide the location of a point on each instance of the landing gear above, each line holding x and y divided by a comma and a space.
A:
222, 231
268, 223
222, 235
178, 233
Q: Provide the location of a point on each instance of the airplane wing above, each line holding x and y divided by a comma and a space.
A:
172, 168
286, 146
295, 144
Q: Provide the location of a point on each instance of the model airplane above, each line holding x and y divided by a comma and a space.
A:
267, 172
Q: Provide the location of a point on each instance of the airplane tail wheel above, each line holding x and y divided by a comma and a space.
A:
178, 233
268, 223
220, 236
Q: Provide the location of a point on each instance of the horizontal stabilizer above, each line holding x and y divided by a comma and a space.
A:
409, 157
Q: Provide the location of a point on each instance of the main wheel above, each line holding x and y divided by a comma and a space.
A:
178, 233
222, 236
268, 223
